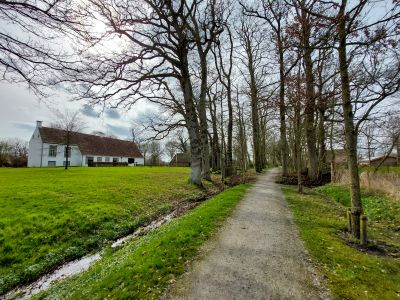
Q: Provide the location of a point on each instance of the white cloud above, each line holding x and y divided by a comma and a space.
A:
20, 109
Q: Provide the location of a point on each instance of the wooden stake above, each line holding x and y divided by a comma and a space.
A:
349, 223
363, 238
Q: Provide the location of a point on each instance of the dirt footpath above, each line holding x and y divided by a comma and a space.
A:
256, 255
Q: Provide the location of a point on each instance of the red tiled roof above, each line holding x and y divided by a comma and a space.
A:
91, 144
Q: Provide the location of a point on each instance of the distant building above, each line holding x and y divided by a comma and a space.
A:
391, 160
47, 149
180, 160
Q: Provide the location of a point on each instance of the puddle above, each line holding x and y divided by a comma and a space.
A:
83, 264
69, 269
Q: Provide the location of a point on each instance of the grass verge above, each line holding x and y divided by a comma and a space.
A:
145, 267
383, 212
50, 215
350, 274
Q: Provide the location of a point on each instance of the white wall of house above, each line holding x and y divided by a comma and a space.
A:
39, 156
139, 161
35, 150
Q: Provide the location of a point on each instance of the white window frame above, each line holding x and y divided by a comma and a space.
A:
53, 151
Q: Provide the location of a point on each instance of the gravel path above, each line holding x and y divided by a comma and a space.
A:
256, 255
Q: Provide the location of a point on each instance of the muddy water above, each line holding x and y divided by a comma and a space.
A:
144, 230
69, 269
83, 264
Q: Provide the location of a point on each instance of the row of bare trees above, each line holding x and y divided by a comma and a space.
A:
13, 153
263, 83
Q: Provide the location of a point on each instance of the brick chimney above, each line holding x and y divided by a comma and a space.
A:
38, 124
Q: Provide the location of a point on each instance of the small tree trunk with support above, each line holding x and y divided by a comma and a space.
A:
349, 223
349, 128
364, 223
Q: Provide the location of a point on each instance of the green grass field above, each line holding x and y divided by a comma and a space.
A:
145, 267
351, 274
48, 216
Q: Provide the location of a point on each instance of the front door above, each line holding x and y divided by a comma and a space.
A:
90, 161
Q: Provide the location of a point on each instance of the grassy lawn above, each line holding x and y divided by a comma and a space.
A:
48, 216
351, 274
144, 267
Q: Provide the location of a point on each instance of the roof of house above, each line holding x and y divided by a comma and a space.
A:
379, 158
91, 144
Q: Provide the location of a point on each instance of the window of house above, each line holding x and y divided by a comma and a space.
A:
69, 163
99, 159
52, 151
69, 151
107, 159
131, 160
51, 163
115, 159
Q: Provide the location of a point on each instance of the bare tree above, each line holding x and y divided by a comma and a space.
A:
252, 40
70, 124
274, 13
5, 149
355, 38
155, 152
242, 151
224, 71
171, 148
19, 152
30, 37
160, 42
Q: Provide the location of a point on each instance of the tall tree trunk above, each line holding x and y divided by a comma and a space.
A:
255, 119
191, 120
263, 142
350, 131
282, 108
310, 96
215, 147
297, 146
321, 136
224, 75
222, 155
242, 140
203, 118
229, 159
68, 140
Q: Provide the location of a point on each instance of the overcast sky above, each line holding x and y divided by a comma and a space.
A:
20, 109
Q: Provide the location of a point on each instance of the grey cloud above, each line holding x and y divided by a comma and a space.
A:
121, 131
87, 110
24, 126
112, 113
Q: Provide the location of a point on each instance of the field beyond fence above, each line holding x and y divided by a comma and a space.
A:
386, 180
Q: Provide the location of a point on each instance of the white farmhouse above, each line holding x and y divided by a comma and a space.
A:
47, 149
